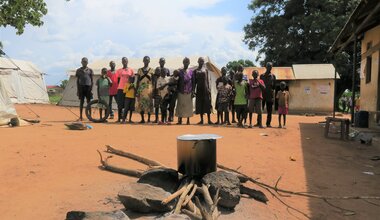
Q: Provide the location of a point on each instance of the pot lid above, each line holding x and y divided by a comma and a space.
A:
197, 137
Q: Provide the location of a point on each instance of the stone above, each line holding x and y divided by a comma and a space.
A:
164, 178
113, 215
144, 198
365, 138
229, 185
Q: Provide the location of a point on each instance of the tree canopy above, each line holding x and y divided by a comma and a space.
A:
296, 31
288, 32
19, 13
64, 83
232, 65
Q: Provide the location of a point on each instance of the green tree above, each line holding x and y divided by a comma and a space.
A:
19, 13
296, 31
232, 65
288, 32
64, 83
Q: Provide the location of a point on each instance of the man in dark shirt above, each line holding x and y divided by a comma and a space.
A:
84, 84
268, 94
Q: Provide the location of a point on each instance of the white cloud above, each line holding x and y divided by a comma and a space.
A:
116, 28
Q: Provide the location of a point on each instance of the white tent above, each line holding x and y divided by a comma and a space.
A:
22, 81
69, 95
7, 110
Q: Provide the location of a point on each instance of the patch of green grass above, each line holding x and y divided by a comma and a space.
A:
55, 98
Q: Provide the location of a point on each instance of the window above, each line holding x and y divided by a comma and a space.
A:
368, 67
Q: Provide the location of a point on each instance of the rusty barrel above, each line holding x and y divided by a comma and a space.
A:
196, 154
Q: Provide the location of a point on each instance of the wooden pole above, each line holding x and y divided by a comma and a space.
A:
335, 101
353, 81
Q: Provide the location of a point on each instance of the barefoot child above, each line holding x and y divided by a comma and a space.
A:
103, 84
256, 87
162, 91
283, 104
223, 101
172, 92
129, 102
240, 103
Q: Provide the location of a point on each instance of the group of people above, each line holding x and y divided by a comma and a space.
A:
150, 91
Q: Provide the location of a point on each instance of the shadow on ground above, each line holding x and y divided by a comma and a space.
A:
335, 167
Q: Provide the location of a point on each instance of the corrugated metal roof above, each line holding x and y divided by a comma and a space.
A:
365, 16
172, 63
314, 71
281, 73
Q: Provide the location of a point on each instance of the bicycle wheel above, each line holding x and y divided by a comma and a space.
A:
97, 111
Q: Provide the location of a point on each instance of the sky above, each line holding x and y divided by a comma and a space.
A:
132, 28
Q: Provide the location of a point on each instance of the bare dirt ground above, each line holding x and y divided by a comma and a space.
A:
47, 170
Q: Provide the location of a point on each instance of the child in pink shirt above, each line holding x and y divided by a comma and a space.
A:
256, 87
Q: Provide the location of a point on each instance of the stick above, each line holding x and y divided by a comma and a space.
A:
343, 210
107, 166
214, 207
148, 162
183, 196
192, 207
255, 194
204, 213
174, 195
310, 195
190, 196
206, 194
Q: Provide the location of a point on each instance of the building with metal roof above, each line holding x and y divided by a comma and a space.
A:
363, 27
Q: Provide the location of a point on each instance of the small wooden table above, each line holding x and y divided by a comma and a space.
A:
344, 126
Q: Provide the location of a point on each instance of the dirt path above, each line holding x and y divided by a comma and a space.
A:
47, 170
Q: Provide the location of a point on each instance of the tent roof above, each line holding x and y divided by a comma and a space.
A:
281, 73
314, 71
26, 66
172, 63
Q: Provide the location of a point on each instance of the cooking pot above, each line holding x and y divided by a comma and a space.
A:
196, 154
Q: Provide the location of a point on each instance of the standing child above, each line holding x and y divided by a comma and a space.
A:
283, 104
172, 92
223, 101
161, 84
256, 87
104, 83
240, 103
112, 74
129, 101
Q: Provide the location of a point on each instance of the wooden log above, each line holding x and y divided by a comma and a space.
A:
214, 208
255, 194
206, 194
193, 208
190, 196
183, 196
204, 212
115, 169
175, 194
148, 162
